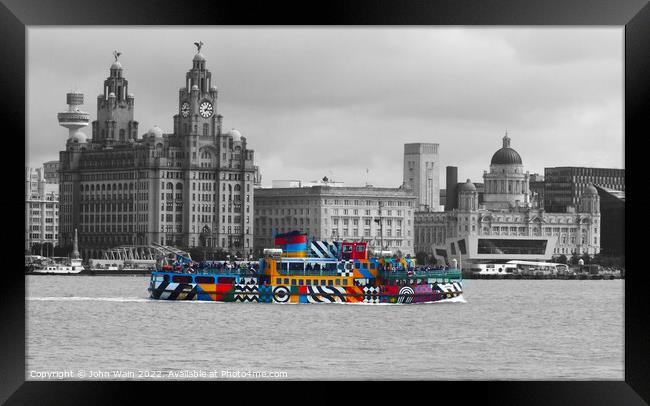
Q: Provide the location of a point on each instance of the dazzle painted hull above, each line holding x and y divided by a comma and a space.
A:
248, 290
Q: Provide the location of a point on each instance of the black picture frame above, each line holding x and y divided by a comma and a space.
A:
16, 15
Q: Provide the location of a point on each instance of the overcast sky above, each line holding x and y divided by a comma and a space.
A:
333, 101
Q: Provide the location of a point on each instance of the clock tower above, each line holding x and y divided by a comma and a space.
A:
115, 123
197, 102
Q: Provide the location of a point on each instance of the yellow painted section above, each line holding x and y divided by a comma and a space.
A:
208, 287
299, 254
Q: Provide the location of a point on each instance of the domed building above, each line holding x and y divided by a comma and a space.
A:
506, 226
188, 187
506, 185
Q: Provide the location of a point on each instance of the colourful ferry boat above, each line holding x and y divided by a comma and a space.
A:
332, 273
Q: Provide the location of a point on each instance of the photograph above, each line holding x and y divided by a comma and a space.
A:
277, 203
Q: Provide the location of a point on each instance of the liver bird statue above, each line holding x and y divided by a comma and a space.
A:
198, 45
116, 55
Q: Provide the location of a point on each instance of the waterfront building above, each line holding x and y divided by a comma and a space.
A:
536, 182
449, 195
41, 212
422, 174
563, 186
192, 187
373, 214
612, 219
506, 226
51, 172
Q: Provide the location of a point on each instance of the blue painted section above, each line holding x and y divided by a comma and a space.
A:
365, 272
298, 247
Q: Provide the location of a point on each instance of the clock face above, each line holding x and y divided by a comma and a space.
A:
185, 109
205, 109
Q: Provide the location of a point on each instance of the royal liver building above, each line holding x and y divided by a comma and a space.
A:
190, 188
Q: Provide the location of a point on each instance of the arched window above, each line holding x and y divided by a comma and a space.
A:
179, 186
170, 186
237, 188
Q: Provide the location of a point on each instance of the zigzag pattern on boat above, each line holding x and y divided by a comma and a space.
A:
323, 249
325, 294
246, 298
246, 292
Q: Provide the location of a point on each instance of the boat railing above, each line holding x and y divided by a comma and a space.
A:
309, 272
444, 274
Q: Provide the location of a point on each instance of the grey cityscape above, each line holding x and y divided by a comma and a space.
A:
449, 153
360, 150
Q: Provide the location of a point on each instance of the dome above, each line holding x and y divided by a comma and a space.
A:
78, 137
156, 131
130, 96
116, 65
199, 57
213, 88
506, 155
590, 190
111, 94
195, 87
236, 135
467, 187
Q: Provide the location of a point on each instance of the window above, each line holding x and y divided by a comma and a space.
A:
204, 279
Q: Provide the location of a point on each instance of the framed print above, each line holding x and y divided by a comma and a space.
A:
259, 158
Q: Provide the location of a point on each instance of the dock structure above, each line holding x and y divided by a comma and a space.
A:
140, 252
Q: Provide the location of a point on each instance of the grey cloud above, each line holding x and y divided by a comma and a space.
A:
311, 101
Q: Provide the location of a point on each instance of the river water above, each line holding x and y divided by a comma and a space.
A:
106, 328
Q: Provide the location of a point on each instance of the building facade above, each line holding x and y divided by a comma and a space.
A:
536, 182
612, 213
381, 216
51, 172
505, 225
193, 187
422, 174
41, 212
563, 186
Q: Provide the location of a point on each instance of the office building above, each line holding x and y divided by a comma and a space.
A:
373, 214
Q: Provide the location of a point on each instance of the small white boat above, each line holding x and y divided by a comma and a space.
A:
73, 266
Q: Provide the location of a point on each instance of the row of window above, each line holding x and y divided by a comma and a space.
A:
310, 282
263, 201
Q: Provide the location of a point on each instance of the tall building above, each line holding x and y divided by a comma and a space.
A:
382, 216
422, 174
449, 196
41, 212
612, 213
193, 187
51, 172
451, 191
536, 184
563, 186
505, 226
506, 185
